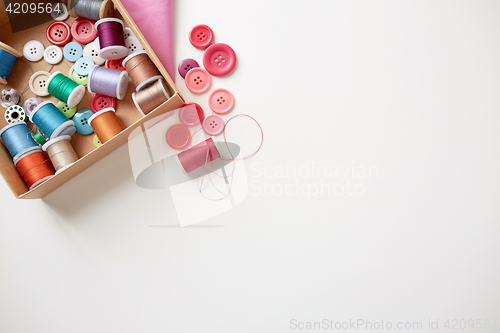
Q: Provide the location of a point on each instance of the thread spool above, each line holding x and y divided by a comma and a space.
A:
106, 124
10, 97
64, 89
8, 57
141, 69
51, 121
151, 97
34, 168
40, 138
91, 9
111, 41
17, 139
61, 153
15, 113
196, 156
30, 104
108, 82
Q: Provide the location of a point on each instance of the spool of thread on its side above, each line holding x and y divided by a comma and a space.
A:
151, 97
197, 156
61, 153
17, 139
51, 121
64, 89
34, 168
10, 97
108, 82
141, 69
30, 105
8, 57
106, 124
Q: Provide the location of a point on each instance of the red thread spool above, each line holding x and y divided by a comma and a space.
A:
35, 168
196, 156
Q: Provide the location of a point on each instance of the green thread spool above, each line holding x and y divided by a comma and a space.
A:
65, 89
39, 138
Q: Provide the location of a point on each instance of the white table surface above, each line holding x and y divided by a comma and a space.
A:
408, 88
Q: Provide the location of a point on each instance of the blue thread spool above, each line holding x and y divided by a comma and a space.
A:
8, 57
18, 140
51, 121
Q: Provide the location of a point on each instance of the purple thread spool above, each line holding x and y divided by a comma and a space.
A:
108, 82
111, 41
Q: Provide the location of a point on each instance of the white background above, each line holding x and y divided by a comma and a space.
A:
411, 87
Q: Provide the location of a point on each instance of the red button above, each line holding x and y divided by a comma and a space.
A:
191, 114
178, 137
197, 80
58, 33
219, 59
83, 30
201, 36
115, 64
221, 101
99, 102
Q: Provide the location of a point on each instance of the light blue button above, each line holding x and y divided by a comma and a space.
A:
81, 120
72, 51
83, 66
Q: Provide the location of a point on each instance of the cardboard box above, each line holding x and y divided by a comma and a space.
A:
84, 147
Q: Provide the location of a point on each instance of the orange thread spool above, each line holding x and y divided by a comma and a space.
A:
106, 124
141, 69
35, 168
151, 97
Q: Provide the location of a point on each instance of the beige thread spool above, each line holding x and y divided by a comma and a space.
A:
141, 69
151, 97
61, 153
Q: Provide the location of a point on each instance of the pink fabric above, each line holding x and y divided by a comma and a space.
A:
155, 20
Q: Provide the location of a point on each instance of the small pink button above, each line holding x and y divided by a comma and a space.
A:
191, 115
198, 80
201, 36
221, 101
219, 59
213, 124
178, 137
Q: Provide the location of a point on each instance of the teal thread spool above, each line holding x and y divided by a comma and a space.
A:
17, 139
51, 121
65, 89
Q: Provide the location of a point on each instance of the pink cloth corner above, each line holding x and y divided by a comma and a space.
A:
155, 20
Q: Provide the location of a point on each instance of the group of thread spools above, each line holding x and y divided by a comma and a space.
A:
36, 126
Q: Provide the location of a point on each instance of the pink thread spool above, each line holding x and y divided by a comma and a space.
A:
195, 157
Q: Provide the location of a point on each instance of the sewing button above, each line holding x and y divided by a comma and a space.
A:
89, 52
201, 36
72, 51
127, 32
37, 83
83, 30
97, 142
99, 102
115, 64
221, 101
80, 79
191, 114
59, 12
197, 80
64, 108
186, 65
82, 125
33, 50
58, 33
133, 45
219, 59
213, 124
52, 55
178, 137
83, 66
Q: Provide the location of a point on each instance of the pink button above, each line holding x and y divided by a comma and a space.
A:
201, 36
191, 114
178, 137
221, 101
219, 59
83, 30
213, 124
58, 33
99, 102
198, 80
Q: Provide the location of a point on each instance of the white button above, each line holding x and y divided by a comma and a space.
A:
89, 52
127, 32
38, 83
53, 54
59, 12
33, 50
133, 45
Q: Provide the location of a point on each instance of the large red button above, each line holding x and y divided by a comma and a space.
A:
201, 36
191, 114
83, 30
99, 102
58, 33
178, 137
219, 59
115, 64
